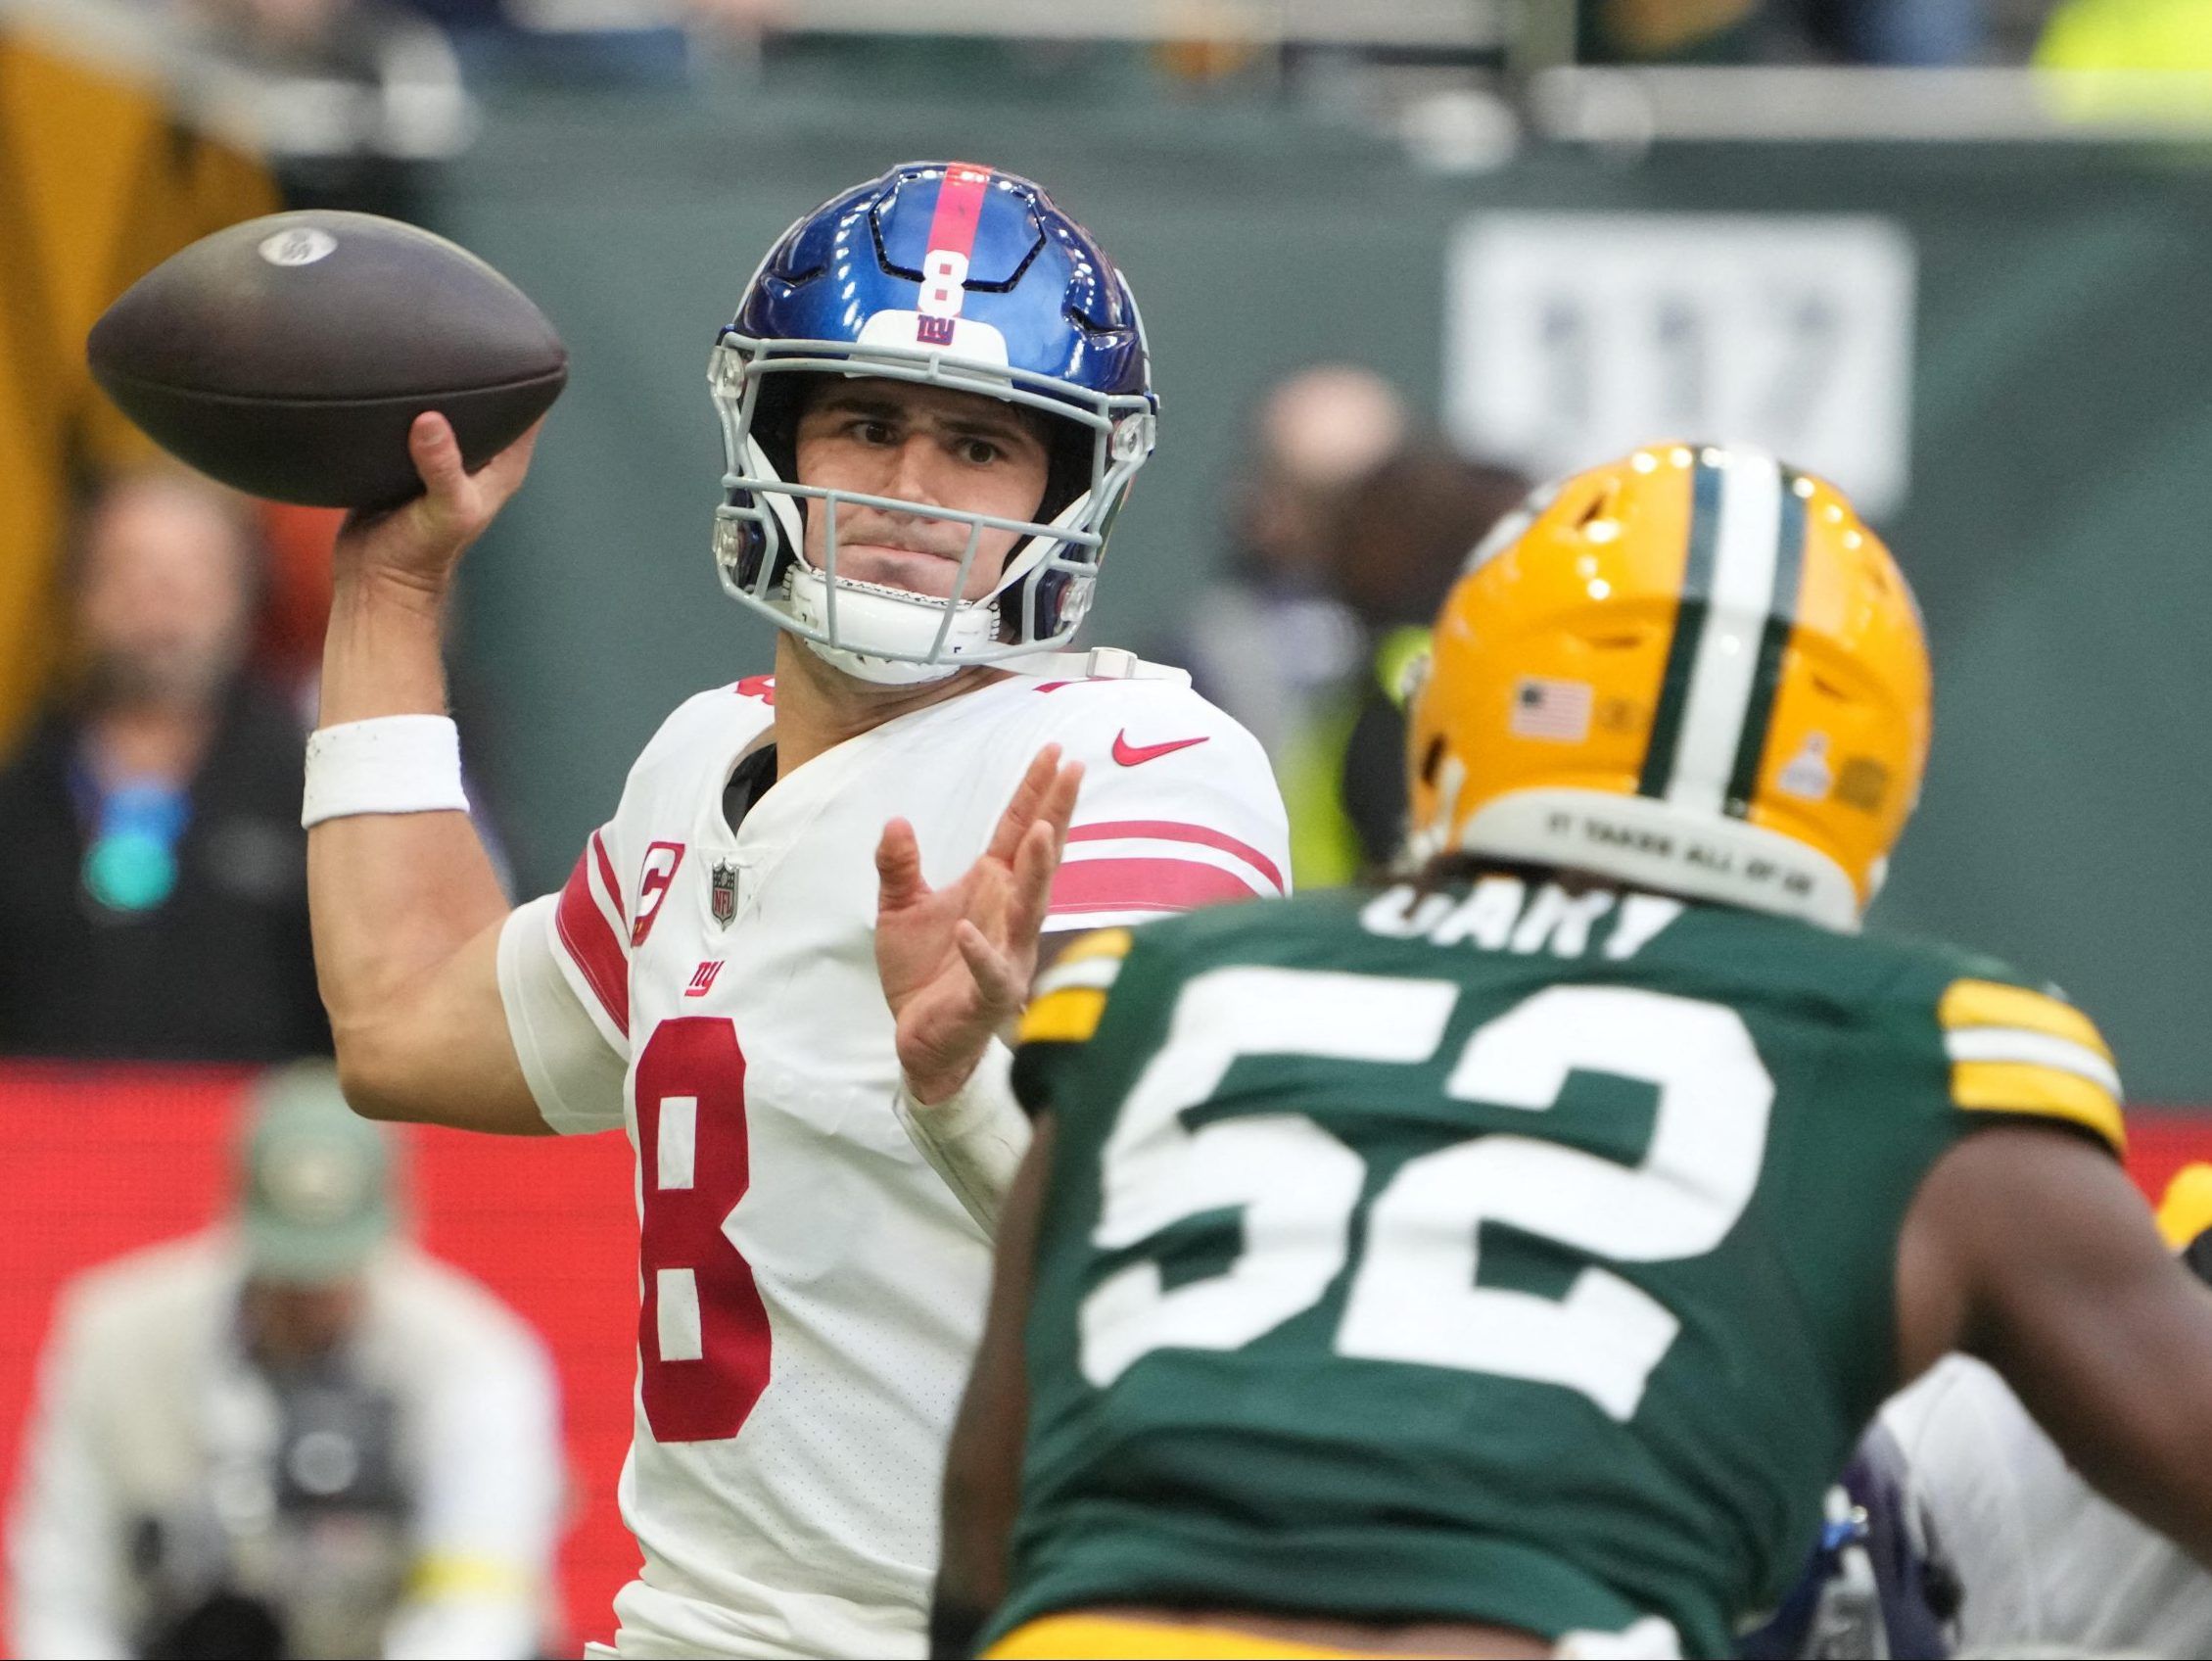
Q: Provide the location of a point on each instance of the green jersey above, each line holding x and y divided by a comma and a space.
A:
1508, 1253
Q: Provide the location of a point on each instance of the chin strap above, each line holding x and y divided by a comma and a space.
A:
880, 671
975, 1137
1100, 663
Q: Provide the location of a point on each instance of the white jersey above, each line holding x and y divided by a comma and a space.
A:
2043, 1560
813, 1291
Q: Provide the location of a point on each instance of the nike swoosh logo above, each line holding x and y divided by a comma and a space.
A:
1136, 756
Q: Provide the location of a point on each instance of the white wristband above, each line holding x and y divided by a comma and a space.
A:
393, 764
975, 1137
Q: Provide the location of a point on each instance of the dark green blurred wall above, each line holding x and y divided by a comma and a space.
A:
2056, 529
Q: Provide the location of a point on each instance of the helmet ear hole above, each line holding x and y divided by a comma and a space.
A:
777, 407
1599, 521
1067, 474
1432, 760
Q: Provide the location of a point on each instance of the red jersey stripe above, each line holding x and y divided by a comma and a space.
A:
960, 206
1142, 884
609, 885
1169, 830
591, 943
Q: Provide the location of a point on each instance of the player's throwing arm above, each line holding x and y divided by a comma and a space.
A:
406, 908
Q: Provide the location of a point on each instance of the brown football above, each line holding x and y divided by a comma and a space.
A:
287, 356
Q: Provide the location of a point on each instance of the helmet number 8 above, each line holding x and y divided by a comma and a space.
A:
943, 275
1414, 1295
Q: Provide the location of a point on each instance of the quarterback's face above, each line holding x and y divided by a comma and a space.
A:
921, 444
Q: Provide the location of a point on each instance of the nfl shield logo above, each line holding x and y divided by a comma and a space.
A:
725, 899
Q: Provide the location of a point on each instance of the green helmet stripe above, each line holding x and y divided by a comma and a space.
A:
1690, 629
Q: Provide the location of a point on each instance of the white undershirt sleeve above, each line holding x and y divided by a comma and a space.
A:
573, 1073
975, 1139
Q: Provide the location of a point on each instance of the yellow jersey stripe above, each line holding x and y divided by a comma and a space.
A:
1991, 1003
2023, 1087
1063, 1017
1097, 1638
2040, 1049
2186, 1209
1099, 943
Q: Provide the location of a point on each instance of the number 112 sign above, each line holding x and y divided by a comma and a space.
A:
1570, 338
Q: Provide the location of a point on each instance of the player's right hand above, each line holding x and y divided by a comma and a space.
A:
417, 546
955, 961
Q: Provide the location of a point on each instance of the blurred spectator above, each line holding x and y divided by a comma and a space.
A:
98, 184
737, 25
1663, 30
292, 1435
154, 901
1905, 33
1270, 642
350, 93
2128, 35
1860, 31
350, 39
1401, 537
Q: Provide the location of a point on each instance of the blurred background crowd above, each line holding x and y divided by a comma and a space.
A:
1400, 258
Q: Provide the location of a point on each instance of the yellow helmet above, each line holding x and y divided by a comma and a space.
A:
1693, 669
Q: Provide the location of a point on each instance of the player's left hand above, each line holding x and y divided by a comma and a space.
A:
955, 961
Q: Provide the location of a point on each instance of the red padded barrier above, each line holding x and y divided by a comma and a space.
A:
102, 1159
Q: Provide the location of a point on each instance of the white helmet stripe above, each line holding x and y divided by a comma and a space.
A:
1742, 597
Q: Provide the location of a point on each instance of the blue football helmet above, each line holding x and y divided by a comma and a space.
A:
953, 276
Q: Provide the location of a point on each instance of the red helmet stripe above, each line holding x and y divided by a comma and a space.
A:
960, 204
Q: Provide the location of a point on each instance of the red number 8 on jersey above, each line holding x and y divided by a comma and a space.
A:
702, 1333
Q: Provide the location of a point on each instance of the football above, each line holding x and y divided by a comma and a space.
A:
287, 356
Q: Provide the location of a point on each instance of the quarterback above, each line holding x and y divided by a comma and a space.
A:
781, 962
1504, 1264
